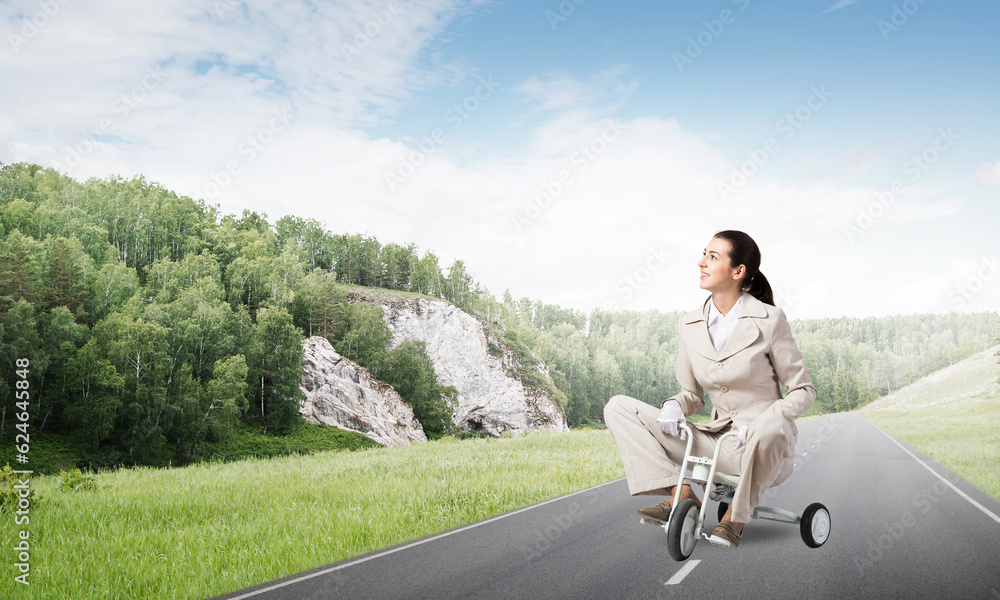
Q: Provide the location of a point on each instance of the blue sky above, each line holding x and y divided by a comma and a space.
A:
577, 161
939, 67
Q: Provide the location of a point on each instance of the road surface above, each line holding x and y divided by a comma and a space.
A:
903, 527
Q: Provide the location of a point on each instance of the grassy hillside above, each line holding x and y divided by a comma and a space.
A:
953, 416
212, 528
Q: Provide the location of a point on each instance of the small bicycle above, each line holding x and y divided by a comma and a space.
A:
684, 526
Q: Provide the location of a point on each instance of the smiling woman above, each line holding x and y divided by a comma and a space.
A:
737, 329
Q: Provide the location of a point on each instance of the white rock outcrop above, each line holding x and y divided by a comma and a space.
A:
344, 394
490, 398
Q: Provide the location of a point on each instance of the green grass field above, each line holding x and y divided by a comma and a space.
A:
210, 528
54, 453
952, 416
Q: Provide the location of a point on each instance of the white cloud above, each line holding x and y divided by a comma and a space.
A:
988, 173
202, 90
153, 72
839, 5
608, 88
852, 163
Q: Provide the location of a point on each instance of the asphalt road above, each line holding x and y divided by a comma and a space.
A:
903, 527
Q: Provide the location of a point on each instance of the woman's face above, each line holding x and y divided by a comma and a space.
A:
716, 274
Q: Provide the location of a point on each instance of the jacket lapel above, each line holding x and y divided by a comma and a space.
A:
696, 323
744, 333
746, 330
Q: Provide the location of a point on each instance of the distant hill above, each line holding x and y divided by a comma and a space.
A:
952, 416
972, 379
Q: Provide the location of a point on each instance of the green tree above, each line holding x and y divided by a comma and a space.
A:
61, 338
320, 305
285, 273
458, 286
409, 370
367, 335
167, 279
564, 350
247, 276
67, 268
56, 218
18, 214
137, 350
425, 275
225, 397
113, 284
311, 236
396, 263
20, 180
186, 299
274, 361
19, 338
20, 271
93, 401
146, 222
206, 327
356, 260
253, 221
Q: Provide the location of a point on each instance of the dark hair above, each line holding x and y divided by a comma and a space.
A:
744, 251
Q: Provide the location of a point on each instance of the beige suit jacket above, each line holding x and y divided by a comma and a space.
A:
742, 380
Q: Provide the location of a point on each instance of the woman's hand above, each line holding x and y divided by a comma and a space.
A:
671, 418
741, 437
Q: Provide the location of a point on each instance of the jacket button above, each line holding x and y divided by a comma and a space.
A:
724, 389
732, 413
718, 364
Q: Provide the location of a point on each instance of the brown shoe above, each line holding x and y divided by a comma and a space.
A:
727, 531
661, 512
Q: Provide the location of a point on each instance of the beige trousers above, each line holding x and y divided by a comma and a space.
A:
651, 457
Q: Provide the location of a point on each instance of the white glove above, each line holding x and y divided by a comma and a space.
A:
741, 437
670, 419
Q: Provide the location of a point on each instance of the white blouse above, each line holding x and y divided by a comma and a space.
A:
719, 326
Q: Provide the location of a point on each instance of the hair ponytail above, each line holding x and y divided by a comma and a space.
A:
744, 251
760, 289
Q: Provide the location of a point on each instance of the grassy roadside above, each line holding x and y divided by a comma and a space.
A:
952, 416
211, 528
53, 453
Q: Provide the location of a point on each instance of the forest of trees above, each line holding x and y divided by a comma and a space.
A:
153, 324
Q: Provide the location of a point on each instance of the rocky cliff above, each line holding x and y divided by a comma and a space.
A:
343, 394
491, 398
